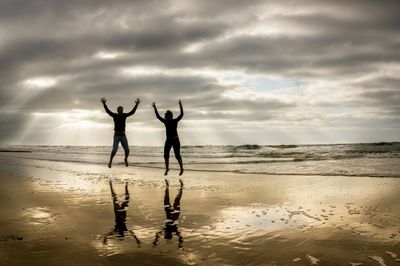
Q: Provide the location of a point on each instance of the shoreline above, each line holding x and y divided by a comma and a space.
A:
232, 145
141, 165
24, 151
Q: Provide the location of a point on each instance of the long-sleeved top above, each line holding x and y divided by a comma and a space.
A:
171, 125
119, 119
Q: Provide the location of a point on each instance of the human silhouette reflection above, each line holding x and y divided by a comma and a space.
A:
172, 217
120, 218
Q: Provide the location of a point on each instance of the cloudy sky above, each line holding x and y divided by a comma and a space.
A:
266, 72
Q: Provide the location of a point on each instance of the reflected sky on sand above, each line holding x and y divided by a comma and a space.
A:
38, 215
208, 218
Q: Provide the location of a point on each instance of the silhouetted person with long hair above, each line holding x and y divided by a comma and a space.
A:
120, 217
172, 140
119, 129
172, 216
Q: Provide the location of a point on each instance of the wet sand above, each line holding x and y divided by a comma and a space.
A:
55, 213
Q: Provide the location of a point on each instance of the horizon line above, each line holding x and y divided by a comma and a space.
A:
202, 145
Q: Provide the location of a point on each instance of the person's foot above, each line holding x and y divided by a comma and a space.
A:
166, 171
109, 164
166, 182
181, 172
126, 162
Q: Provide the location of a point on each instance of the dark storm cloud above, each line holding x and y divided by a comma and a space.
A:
322, 41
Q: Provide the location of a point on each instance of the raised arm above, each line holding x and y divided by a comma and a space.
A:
157, 114
157, 237
134, 108
103, 101
180, 239
135, 237
106, 236
181, 115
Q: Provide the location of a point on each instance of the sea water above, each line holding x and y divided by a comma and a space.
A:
364, 159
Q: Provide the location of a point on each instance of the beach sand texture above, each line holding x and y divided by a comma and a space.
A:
59, 213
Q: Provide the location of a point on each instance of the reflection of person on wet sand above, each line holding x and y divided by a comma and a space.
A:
172, 140
120, 217
119, 129
172, 216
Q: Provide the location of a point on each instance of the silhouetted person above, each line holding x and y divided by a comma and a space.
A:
119, 129
172, 216
172, 140
120, 217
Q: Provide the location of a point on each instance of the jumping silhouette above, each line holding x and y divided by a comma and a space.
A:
172, 136
172, 216
120, 218
119, 129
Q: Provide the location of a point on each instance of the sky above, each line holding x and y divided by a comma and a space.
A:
247, 72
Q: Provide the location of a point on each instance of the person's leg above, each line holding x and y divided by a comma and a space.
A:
114, 150
167, 149
125, 145
126, 199
177, 202
114, 197
166, 195
177, 151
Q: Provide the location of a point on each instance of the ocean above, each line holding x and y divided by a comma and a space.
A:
363, 159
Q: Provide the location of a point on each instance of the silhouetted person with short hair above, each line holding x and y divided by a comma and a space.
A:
172, 140
172, 217
120, 217
119, 129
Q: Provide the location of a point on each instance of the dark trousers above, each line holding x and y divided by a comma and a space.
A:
172, 142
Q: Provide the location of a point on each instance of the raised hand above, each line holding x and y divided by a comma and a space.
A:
137, 101
103, 100
181, 115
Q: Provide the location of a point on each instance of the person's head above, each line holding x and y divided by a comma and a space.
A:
168, 115
120, 109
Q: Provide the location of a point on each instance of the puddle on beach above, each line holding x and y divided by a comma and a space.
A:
38, 215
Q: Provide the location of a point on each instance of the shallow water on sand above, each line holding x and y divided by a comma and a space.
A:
57, 213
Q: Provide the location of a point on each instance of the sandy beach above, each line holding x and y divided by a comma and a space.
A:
61, 213
277, 122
